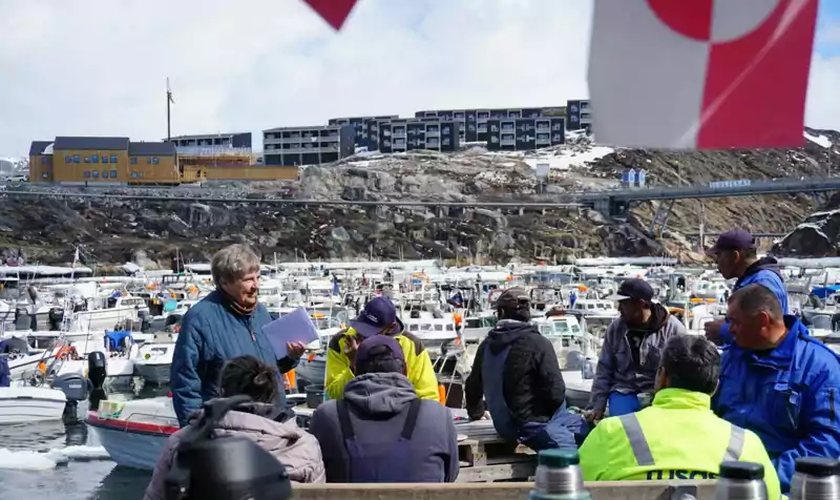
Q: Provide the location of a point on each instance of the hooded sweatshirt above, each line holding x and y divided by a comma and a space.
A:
288, 443
532, 382
630, 356
378, 405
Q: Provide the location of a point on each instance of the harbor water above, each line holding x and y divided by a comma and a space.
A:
66, 461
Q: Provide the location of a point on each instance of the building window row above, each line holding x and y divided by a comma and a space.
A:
150, 160
137, 175
94, 174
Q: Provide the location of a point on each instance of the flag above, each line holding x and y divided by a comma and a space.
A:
334, 12
169, 92
703, 74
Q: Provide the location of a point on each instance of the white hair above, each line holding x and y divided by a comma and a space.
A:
233, 262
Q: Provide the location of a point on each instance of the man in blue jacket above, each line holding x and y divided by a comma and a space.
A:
224, 325
735, 255
779, 382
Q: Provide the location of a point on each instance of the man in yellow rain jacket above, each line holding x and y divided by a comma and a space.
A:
678, 437
379, 317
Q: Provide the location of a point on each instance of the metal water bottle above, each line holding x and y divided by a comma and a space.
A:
741, 481
816, 478
558, 477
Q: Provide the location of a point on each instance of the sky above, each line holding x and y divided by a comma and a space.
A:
99, 67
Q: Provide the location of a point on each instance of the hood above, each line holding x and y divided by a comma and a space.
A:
379, 395
508, 331
658, 317
255, 420
762, 264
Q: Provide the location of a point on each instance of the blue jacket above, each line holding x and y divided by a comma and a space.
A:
211, 334
788, 396
764, 271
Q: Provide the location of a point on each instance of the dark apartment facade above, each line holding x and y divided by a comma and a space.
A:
396, 136
520, 134
473, 122
578, 114
360, 124
218, 141
294, 146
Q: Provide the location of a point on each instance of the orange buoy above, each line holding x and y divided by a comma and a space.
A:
442, 394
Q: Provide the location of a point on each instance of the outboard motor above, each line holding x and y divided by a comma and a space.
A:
75, 387
587, 371
97, 371
212, 467
56, 316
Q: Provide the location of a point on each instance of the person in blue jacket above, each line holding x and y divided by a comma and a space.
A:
779, 382
736, 257
224, 325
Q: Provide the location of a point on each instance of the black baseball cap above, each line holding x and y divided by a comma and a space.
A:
736, 239
635, 288
514, 299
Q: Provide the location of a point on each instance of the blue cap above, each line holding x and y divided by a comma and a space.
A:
378, 315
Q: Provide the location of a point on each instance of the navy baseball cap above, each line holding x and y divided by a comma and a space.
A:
736, 239
363, 351
379, 313
635, 288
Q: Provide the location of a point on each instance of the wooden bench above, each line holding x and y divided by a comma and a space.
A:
495, 460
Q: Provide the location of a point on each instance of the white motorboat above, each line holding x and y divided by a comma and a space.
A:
21, 404
134, 432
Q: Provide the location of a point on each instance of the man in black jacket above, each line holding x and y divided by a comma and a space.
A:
517, 374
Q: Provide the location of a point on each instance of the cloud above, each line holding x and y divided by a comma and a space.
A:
98, 67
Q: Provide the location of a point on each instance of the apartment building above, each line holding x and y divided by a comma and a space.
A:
578, 114
360, 124
521, 134
473, 122
406, 134
294, 146
208, 143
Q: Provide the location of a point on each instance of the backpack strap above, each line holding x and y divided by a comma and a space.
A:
411, 419
344, 420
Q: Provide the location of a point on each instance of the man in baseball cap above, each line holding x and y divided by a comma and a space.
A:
516, 378
381, 431
378, 318
736, 258
629, 356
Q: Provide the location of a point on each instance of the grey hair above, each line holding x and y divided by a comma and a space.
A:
756, 298
233, 262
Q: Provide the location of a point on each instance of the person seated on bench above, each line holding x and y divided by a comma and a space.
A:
381, 431
517, 374
678, 437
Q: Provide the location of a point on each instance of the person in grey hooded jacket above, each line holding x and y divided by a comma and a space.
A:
381, 431
631, 351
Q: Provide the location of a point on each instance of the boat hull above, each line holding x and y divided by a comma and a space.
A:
30, 404
312, 371
131, 444
155, 373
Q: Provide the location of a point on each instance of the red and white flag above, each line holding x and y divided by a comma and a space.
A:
705, 74
334, 12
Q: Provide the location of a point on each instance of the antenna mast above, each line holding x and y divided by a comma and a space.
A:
169, 101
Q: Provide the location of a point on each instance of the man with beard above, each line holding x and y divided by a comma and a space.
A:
736, 257
631, 351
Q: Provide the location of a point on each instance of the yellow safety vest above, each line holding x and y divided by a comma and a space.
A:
678, 437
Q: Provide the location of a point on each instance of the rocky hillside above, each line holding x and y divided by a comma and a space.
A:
817, 236
46, 229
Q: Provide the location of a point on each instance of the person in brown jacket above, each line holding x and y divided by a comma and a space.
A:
295, 448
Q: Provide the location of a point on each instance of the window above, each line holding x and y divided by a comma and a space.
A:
44, 160
113, 158
134, 160
75, 158
104, 159
95, 174
148, 161
87, 159
113, 174
94, 159
155, 160
68, 159
87, 174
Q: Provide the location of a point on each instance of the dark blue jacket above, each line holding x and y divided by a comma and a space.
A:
764, 271
211, 334
788, 396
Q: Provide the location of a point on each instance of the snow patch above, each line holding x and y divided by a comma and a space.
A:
569, 158
819, 140
33, 460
